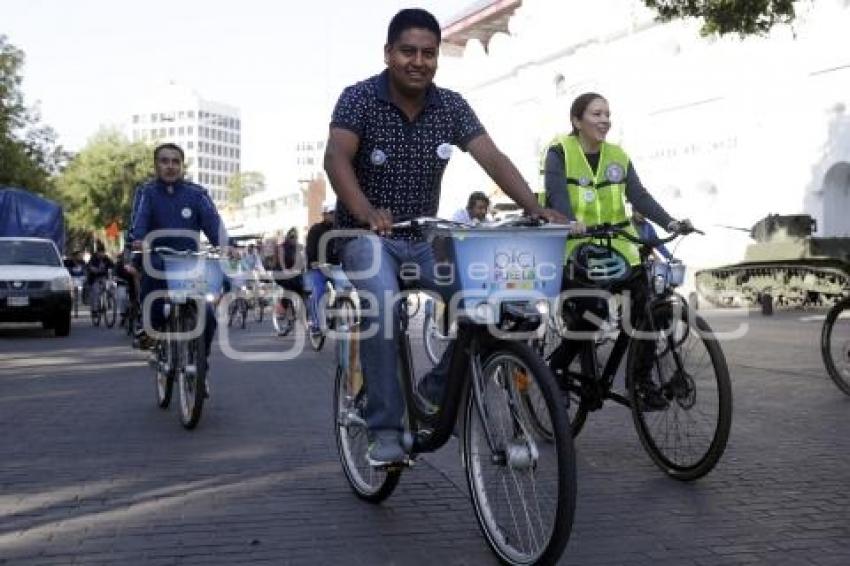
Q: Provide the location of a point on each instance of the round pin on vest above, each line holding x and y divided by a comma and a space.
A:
186, 213
444, 150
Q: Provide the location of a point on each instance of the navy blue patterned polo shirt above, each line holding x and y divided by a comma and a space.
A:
400, 163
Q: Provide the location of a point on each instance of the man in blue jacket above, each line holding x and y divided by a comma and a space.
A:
172, 203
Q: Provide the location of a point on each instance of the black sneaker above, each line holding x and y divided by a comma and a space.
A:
650, 397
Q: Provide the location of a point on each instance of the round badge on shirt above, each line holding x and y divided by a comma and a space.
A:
444, 150
614, 173
378, 157
584, 181
186, 213
589, 195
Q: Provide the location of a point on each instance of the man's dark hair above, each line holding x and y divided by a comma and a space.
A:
475, 197
412, 18
169, 145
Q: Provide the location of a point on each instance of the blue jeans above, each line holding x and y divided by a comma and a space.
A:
156, 314
379, 353
314, 282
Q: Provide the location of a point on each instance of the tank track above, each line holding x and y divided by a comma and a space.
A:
789, 284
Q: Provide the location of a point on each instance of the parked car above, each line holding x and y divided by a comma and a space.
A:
34, 284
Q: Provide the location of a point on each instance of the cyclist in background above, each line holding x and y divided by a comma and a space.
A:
172, 203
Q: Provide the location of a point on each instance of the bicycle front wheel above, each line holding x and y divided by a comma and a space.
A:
369, 483
164, 359
110, 309
191, 371
522, 482
835, 344
680, 365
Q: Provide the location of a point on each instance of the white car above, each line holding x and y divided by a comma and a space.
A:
34, 285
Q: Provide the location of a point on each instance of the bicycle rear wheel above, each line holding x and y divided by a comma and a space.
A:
523, 488
835, 344
369, 483
191, 370
688, 436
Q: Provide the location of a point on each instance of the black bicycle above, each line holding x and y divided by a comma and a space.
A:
522, 484
237, 310
835, 344
672, 359
180, 350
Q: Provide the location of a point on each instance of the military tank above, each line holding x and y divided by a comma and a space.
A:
786, 266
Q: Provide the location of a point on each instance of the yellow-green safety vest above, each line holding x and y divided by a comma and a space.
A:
597, 198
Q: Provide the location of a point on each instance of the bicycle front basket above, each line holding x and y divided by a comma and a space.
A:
193, 275
505, 264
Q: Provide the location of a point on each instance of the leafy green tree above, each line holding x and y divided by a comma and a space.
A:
744, 17
242, 185
29, 155
99, 183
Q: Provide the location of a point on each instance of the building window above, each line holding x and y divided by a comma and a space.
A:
190, 130
135, 118
191, 114
162, 132
181, 130
171, 131
181, 115
237, 153
154, 117
190, 145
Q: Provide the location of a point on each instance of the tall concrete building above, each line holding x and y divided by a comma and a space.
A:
209, 132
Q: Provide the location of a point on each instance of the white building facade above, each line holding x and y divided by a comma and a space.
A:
723, 131
209, 132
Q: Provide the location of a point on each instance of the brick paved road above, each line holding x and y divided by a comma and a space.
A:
92, 472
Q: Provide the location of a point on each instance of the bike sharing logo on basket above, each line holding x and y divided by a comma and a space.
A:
514, 269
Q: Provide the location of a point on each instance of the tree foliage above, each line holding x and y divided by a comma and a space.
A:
744, 17
29, 155
242, 185
99, 183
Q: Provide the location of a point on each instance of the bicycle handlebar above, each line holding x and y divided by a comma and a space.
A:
611, 230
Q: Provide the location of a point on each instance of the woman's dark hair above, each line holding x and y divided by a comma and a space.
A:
578, 107
412, 18
169, 145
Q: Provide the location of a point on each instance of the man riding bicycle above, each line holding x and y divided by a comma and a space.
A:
391, 137
172, 203
314, 279
97, 270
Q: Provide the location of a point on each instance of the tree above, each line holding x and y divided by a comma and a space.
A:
744, 17
242, 185
99, 183
29, 155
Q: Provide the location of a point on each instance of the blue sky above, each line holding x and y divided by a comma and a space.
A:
282, 63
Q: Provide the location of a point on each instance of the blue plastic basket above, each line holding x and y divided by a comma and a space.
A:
193, 275
499, 264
